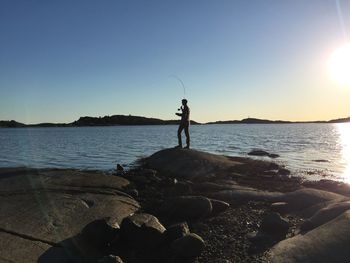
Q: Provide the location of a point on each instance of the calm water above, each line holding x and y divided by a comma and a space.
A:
299, 145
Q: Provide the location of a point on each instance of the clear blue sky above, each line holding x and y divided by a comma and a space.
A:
60, 60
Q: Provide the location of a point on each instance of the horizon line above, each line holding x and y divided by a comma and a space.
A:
208, 122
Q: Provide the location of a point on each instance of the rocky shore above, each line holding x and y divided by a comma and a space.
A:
177, 206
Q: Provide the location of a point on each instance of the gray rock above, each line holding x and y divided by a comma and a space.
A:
176, 231
283, 171
110, 259
188, 163
100, 232
307, 197
119, 169
142, 231
205, 187
325, 215
320, 161
52, 206
258, 153
326, 243
188, 247
263, 153
243, 196
218, 206
187, 207
274, 224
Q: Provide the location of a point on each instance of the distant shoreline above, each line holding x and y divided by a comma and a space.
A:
129, 120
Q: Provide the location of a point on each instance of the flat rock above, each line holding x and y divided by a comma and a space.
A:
10, 243
52, 206
207, 187
326, 243
292, 201
326, 214
188, 247
242, 196
188, 163
307, 197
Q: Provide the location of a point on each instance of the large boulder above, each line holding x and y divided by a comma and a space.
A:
176, 231
110, 259
274, 224
188, 247
101, 232
142, 231
188, 163
187, 207
326, 243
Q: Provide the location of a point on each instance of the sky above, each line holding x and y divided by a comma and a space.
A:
60, 60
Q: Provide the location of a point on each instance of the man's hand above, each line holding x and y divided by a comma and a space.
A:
178, 114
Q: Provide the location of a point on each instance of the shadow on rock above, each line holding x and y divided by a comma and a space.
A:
74, 249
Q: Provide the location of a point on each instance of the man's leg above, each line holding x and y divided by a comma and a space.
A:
181, 127
187, 133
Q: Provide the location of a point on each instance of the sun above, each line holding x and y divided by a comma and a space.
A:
339, 65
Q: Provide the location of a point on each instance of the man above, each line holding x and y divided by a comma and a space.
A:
184, 124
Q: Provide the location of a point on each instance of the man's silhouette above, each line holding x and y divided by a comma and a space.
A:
184, 124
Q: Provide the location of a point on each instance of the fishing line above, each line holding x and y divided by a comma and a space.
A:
182, 84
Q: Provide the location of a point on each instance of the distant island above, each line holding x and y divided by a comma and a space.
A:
115, 120
262, 121
97, 121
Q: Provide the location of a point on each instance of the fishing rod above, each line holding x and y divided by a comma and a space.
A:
183, 87
181, 82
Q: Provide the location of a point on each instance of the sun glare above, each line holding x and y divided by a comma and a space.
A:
339, 65
344, 132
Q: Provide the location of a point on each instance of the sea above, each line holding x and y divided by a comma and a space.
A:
313, 151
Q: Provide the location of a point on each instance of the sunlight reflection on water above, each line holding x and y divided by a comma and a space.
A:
344, 139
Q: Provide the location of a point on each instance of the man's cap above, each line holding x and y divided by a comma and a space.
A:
184, 100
